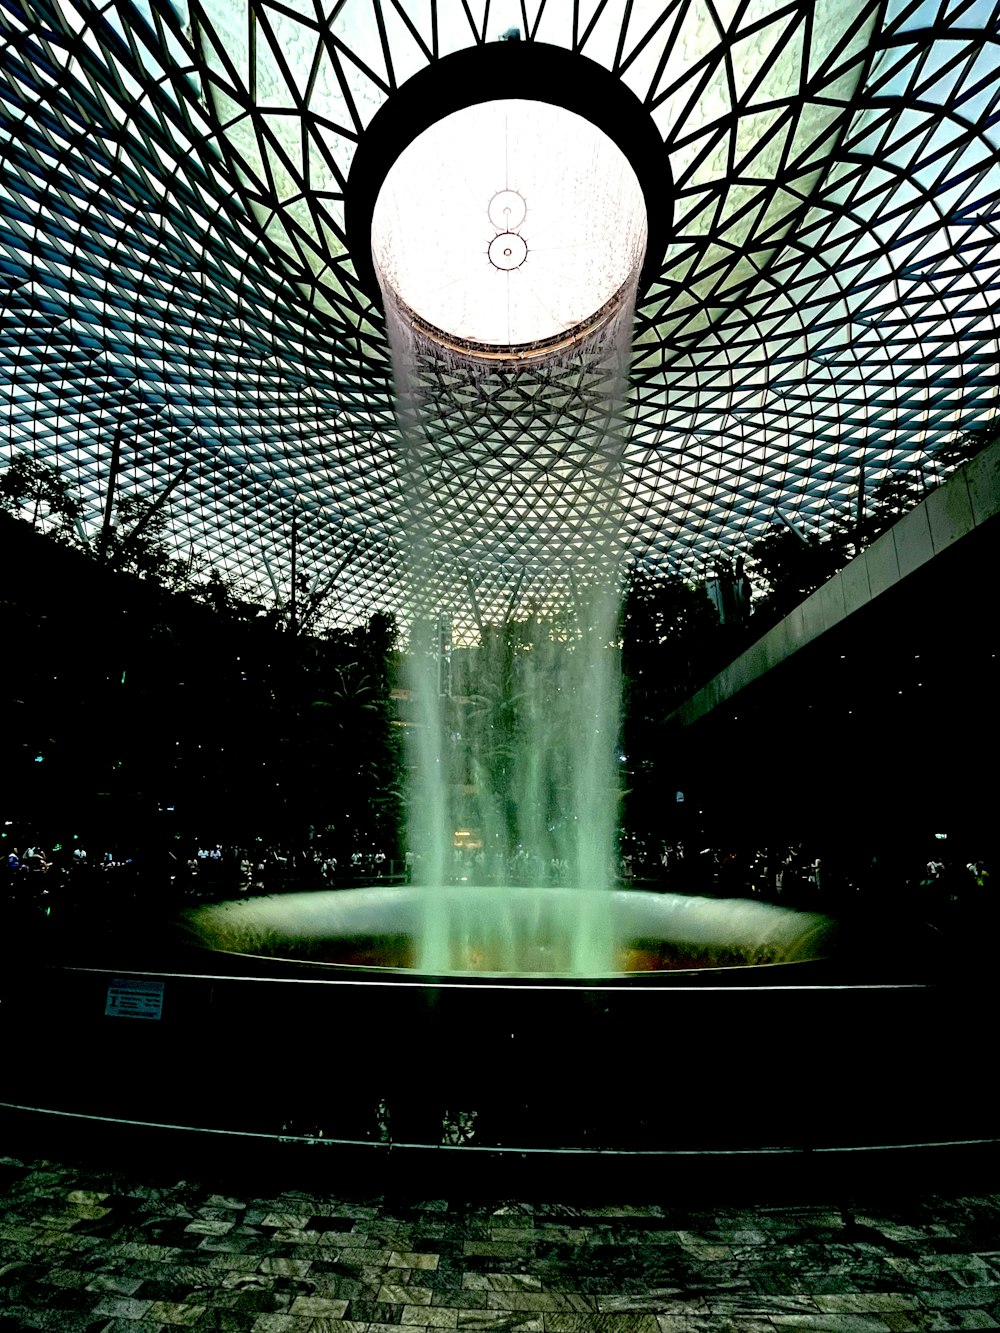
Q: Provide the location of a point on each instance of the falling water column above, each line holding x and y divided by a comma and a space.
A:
511, 454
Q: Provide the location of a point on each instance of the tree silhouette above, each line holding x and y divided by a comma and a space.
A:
36, 492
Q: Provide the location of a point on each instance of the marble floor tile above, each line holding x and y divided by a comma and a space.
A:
121, 1307
825, 1322
957, 1297
499, 1321
430, 1316
176, 1314
555, 1322
86, 1250
395, 1294
501, 1282
409, 1259
876, 1302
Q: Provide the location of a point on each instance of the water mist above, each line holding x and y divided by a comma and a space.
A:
511, 456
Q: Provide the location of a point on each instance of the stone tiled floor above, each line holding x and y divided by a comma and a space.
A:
86, 1247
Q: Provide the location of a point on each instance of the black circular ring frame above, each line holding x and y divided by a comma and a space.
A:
528, 71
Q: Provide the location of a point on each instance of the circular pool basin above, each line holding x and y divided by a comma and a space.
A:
712, 1026
512, 931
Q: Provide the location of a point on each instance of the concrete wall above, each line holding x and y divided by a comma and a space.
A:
967, 500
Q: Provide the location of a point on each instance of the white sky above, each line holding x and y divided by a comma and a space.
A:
582, 234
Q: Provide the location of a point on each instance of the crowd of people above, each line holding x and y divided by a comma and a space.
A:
45, 878
39, 877
801, 875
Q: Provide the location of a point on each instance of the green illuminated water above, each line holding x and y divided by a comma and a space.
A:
512, 475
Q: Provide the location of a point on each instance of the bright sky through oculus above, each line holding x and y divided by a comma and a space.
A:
509, 223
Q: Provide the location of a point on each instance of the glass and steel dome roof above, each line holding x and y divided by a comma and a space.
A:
178, 291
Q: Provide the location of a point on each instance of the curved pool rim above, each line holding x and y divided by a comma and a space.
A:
723, 1064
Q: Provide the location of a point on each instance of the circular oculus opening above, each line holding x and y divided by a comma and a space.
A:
509, 224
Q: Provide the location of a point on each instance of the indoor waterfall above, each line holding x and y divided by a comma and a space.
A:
509, 289
517, 745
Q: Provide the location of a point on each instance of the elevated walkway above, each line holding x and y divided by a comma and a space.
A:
945, 523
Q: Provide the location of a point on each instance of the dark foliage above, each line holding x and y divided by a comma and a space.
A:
148, 717
36, 493
672, 642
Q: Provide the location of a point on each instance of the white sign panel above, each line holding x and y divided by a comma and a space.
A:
134, 999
